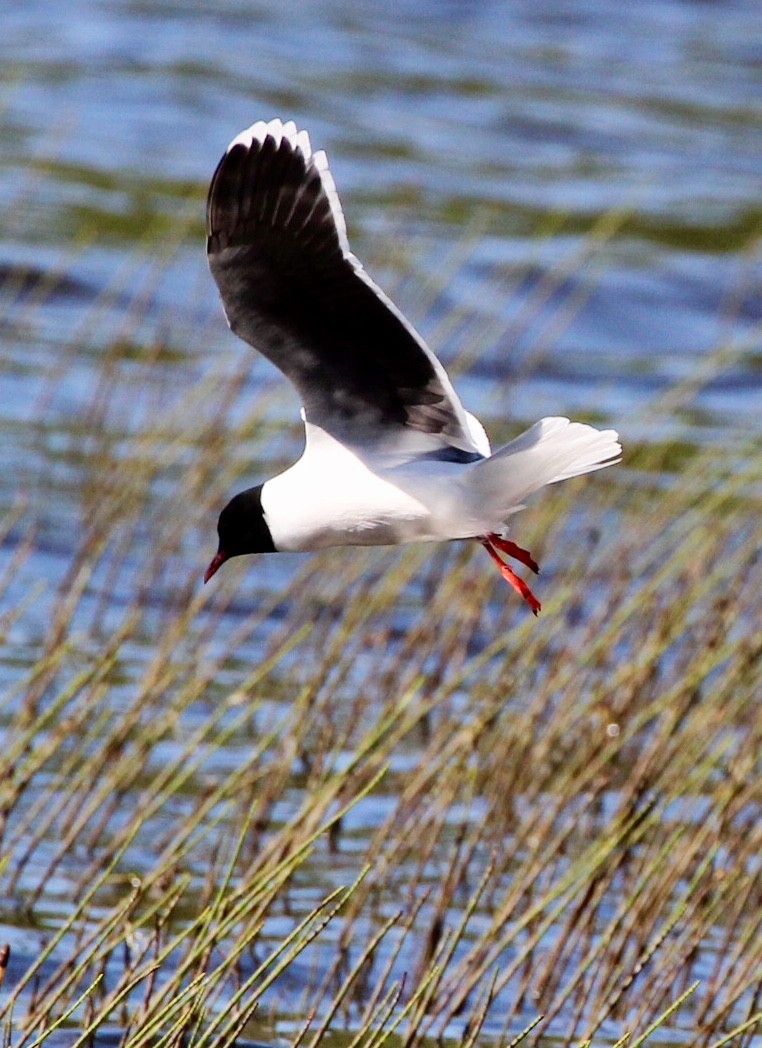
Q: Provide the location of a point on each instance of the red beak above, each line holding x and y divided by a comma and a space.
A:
218, 559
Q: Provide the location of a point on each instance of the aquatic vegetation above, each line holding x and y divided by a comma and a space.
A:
365, 797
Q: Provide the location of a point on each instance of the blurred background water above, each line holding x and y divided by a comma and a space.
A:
564, 197
519, 125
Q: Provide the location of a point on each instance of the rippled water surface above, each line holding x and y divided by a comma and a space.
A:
565, 198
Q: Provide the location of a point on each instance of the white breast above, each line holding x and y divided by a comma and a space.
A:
333, 498
339, 496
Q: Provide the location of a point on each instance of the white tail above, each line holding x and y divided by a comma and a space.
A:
552, 449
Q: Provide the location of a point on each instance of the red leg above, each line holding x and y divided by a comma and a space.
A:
511, 577
519, 554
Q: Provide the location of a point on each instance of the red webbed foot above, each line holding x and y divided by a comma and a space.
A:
510, 576
523, 556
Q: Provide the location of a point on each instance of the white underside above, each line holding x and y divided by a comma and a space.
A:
337, 496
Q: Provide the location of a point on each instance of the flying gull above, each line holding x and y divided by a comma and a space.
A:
391, 455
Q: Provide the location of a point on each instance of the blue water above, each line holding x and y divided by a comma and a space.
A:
565, 198
512, 128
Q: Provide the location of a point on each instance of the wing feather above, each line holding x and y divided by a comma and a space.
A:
291, 287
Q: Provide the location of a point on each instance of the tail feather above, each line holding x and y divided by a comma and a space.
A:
551, 450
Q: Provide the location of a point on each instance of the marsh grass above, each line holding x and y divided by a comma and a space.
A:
367, 799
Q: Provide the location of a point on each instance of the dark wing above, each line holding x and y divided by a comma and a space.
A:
290, 287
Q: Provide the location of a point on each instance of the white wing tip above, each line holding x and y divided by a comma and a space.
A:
277, 129
300, 141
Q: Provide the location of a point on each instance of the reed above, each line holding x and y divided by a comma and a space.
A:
363, 798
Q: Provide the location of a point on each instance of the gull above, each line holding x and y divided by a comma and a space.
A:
391, 456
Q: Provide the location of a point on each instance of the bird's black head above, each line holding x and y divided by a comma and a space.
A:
242, 528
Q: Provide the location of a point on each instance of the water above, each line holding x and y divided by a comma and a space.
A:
437, 119
586, 176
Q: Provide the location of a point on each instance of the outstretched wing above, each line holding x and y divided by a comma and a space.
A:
291, 287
